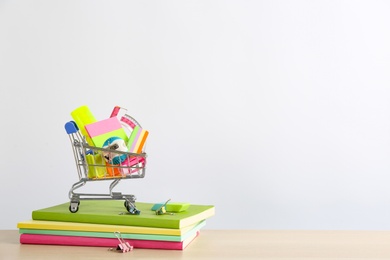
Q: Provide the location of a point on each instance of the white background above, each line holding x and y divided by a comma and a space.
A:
276, 112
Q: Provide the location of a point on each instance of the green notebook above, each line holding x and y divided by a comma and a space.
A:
113, 212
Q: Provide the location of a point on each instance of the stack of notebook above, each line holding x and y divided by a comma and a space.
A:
97, 222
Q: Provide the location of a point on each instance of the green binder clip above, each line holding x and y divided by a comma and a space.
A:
162, 210
175, 207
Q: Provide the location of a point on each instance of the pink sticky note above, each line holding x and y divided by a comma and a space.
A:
102, 130
103, 126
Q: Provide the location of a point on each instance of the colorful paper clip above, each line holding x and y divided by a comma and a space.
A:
123, 245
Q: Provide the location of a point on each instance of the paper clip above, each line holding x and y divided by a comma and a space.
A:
123, 245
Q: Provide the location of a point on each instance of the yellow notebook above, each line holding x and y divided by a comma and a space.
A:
73, 226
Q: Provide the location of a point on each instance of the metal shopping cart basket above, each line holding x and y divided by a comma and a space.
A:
91, 165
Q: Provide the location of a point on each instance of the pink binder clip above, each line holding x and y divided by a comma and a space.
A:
123, 245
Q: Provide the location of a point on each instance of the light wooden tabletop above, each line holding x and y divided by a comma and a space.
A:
226, 244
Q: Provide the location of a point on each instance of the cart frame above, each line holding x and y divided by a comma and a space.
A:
85, 155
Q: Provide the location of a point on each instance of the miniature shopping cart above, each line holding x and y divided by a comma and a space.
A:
91, 164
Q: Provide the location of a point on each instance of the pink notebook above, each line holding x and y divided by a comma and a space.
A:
38, 239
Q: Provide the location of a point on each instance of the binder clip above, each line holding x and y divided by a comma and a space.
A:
162, 210
123, 245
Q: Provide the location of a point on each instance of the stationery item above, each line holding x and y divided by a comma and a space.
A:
138, 135
102, 242
102, 130
133, 138
168, 234
126, 120
137, 140
132, 164
82, 117
111, 212
115, 111
172, 206
95, 166
161, 209
114, 144
98, 167
123, 245
108, 234
177, 206
113, 170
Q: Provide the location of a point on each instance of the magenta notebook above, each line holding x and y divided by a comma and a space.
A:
103, 242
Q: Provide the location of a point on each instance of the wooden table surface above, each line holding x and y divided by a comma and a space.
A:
225, 244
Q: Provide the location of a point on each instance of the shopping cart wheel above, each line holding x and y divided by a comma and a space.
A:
74, 206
